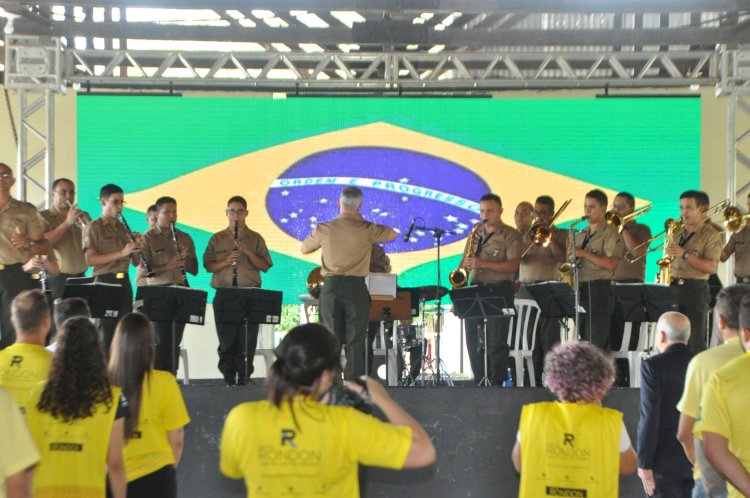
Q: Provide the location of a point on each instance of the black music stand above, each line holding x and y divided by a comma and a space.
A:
103, 299
644, 302
247, 305
174, 304
556, 300
484, 301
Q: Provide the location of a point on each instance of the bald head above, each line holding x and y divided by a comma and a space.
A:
674, 327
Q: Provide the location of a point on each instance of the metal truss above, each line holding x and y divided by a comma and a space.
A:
382, 72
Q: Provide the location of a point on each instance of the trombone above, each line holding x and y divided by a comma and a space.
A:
619, 222
733, 218
676, 226
541, 231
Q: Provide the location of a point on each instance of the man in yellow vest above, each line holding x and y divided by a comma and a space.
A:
574, 446
26, 362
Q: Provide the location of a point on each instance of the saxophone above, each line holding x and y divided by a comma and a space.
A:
665, 263
460, 276
566, 269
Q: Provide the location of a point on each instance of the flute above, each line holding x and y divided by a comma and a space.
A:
177, 248
234, 249
150, 273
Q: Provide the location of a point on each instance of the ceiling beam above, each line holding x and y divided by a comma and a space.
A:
395, 33
440, 6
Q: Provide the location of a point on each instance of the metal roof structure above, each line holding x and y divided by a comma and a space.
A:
381, 45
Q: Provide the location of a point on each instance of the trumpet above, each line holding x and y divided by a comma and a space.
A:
733, 218
541, 231
83, 219
619, 222
460, 277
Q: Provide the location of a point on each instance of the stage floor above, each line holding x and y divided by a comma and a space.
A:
473, 430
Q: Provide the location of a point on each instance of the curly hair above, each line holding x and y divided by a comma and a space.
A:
578, 371
78, 380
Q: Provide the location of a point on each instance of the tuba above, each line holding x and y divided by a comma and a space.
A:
460, 277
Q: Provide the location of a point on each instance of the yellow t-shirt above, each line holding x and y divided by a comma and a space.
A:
699, 371
316, 457
22, 366
569, 449
724, 408
162, 410
74, 454
17, 450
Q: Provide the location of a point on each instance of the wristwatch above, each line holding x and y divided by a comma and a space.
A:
685, 255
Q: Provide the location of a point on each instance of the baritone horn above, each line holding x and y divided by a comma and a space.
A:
541, 231
619, 222
460, 276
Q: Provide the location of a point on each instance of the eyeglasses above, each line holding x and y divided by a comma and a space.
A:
63, 191
239, 211
6, 174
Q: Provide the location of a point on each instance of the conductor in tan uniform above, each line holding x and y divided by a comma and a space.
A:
346, 244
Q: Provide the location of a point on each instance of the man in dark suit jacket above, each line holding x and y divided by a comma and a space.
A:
662, 465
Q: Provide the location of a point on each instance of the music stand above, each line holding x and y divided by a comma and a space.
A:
247, 305
556, 300
484, 301
644, 302
103, 299
174, 304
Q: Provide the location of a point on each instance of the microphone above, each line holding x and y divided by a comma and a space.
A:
411, 229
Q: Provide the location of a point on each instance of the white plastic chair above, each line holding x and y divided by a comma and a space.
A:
522, 337
634, 357
185, 366
266, 346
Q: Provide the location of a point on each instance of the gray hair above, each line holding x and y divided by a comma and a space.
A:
728, 303
675, 326
351, 197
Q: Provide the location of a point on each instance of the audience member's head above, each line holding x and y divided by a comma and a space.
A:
78, 378
745, 322
130, 359
578, 371
70, 307
673, 327
305, 363
30, 315
727, 309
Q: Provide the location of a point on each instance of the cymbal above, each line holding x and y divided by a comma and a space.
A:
431, 292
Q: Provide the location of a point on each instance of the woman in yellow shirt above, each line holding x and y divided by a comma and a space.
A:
154, 433
293, 445
76, 419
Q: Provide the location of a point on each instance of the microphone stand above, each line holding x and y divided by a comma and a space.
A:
576, 275
438, 233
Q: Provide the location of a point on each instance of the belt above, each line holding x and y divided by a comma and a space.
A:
683, 281
118, 275
743, 280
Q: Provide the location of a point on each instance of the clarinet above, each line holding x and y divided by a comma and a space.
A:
177, 248
149, 271
234, 263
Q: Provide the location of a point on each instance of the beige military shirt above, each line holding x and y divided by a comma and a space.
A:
501, 245
24, 216
604, 241
379, 260
637, 270
740, 243
346, 244
706, 243
540, 263
159, 248
106, 235
219, 247
69, 248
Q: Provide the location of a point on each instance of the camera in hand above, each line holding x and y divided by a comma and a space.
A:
341, 396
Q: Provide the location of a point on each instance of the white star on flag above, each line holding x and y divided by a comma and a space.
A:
404, 180
375, 210
420, 233
292, 215
404, 198
283, 220
323, 201
285, 193
313, 218
451, 219
463, 226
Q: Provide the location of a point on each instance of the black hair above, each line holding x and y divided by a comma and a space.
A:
599, 196
108, 190
628, 198
547, 201
237, 198
492, 197
164, 200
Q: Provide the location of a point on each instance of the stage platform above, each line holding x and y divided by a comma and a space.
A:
473, 430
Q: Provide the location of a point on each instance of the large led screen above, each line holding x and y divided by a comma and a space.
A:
428, 159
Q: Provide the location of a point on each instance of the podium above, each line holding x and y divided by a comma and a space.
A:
173, 304
246, 305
